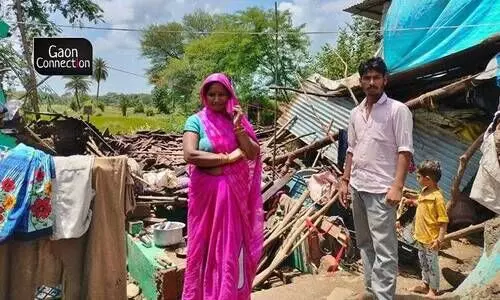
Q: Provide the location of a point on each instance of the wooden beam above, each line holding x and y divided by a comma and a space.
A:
427, 99
40, 141
464, 232
304, 92
463, 161
289, 243
44, 113
279, 132
312, 147
294, 139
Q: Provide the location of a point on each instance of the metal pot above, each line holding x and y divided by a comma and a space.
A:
168, 233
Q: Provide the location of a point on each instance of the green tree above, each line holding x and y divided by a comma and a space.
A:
249, 59
101, 106
199, 23
139, 108
33, 19
100, 73
164, 99
146, 99
160, 44
356, 42
80, 85
124, 104
10, 59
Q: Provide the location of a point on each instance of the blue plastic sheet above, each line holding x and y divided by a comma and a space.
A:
498, 70
419, 32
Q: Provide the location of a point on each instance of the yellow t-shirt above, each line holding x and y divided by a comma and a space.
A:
431, 212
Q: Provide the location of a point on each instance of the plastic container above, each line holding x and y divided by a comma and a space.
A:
168, 233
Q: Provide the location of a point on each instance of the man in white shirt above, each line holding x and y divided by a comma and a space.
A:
380, 147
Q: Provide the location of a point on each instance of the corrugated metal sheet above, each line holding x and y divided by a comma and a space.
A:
372, 9
435, 143
315, 113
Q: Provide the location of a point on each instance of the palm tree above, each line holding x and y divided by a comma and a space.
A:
79, 84
100, 73
124, 104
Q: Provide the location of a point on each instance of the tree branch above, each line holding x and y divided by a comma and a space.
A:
463, 161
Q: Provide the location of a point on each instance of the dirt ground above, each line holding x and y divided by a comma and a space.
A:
455, 263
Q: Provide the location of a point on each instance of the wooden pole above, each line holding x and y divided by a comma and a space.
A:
463, 161
426, 100
295, 139
40, 141
320, 153
279, 132
276, 80
289, 243
356, 102
314, 146
464, 232
304, 92
288, 217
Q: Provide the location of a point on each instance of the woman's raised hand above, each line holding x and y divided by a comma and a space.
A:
237, 115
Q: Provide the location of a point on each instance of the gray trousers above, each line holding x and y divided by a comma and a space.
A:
429, 263
374, 222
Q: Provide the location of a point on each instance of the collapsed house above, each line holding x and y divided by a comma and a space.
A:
450, 86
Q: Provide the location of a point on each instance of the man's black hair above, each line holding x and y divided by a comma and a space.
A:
373, 64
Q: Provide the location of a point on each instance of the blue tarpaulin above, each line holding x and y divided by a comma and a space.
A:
420, 32
498, 70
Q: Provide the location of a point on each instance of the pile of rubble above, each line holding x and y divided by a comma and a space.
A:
306, 228
160, 178
154, 150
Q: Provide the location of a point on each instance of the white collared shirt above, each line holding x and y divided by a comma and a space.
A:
375, 142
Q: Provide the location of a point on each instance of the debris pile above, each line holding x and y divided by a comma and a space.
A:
154, 150
306, 227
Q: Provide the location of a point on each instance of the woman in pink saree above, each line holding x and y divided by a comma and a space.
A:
225, 215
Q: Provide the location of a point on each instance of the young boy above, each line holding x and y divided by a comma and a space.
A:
430, 225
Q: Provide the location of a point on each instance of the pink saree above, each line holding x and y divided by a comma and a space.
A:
225, 215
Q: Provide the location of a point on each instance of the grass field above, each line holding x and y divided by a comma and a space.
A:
112, 119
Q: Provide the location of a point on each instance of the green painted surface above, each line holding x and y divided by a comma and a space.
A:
136, 227
4, 29
485, 271
7, 141
2, 97
143, 266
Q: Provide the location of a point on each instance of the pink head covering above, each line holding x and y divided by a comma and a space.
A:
231, 103
226, 82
